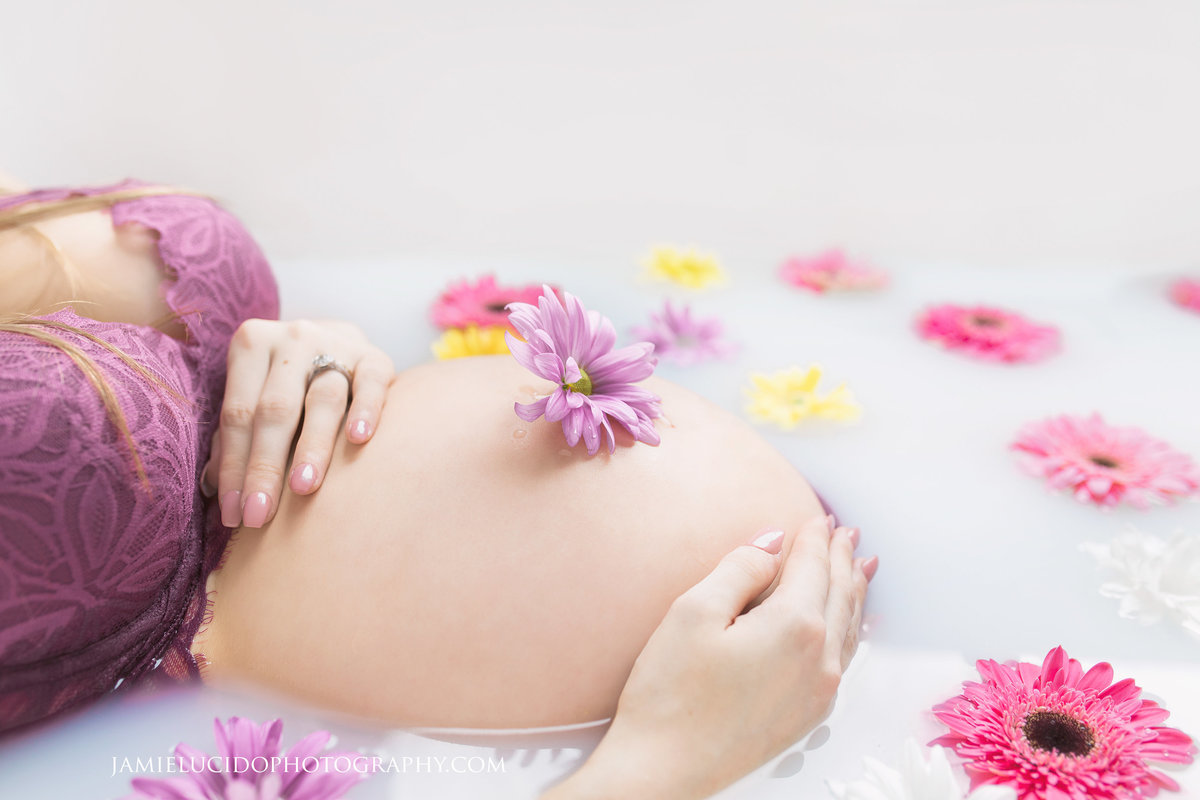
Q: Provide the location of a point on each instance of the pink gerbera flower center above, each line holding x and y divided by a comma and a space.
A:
1104, 461
1054, 730
583, 385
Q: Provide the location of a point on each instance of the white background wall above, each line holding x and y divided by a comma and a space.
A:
1010, 133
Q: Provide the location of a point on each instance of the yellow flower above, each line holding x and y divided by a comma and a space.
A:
789, 396
689, 268
471, 341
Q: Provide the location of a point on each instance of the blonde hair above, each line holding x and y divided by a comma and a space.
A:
23, 216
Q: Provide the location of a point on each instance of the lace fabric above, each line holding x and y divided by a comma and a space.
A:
102, 574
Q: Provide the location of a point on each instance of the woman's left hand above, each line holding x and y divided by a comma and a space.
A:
268, 391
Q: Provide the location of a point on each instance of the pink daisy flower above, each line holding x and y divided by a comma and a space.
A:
482, 303
988, 333
1058, 733
574, 348
682, 339
1186, 292
1105, 464
251, 767
830, 270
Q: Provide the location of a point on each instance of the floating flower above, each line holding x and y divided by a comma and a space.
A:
481, 303
830, 270
1186, 292
471, 341
252, 768
689, 268
917, 779
1105, 464
1058, 733
789, 396
988, 333
1152, 577
574, 348
682, 339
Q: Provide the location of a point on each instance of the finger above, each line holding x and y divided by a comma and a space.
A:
850, 644
324, 407
839, 604
275, 421
737, 579
247, 373
372, 376
804, 580
208, 475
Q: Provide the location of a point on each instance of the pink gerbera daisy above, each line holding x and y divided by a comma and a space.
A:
830, 270
251, 767
682, 339
1186, 292
1058, 733
1105, 464
482, 303
574, 348
989, 333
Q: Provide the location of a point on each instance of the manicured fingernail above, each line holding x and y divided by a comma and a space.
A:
303, 478
231, 509
854, 535
870, 566
770, 540
254, 513
206, 488
360, 431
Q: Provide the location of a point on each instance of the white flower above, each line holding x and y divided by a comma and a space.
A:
917, 779
1153, 578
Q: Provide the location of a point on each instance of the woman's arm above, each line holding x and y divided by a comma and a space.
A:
719, 690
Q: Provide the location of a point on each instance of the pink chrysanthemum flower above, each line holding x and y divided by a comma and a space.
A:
482, 303
1058, 733
1186, 292
1105, 464
830, 270
252, 768
677, 336
573, 347
988, 333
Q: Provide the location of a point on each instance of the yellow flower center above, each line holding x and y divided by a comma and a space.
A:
583, 385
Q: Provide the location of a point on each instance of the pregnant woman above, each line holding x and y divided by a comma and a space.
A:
189, 488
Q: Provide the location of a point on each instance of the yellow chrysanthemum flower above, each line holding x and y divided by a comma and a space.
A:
789, 396
689, 268
471, 341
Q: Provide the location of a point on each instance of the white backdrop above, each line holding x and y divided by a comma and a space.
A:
1006, 133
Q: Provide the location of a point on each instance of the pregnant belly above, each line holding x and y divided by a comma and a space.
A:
467, 569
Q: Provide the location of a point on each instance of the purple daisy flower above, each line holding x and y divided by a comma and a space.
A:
682, 339
567, 344
251, 767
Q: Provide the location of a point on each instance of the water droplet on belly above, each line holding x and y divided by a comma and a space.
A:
519, 434
527, 389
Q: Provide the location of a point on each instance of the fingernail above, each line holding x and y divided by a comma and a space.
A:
854, 534
206, 488
303, 478
770, 540
360, 431
254, 513
231, 509
870, 566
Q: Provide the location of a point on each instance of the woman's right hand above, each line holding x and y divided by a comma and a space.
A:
719, 689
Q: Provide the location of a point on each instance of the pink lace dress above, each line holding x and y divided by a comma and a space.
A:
102, 571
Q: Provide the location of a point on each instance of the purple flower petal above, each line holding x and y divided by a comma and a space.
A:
531, 411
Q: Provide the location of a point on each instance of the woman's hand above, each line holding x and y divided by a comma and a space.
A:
267, 390
719, 689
